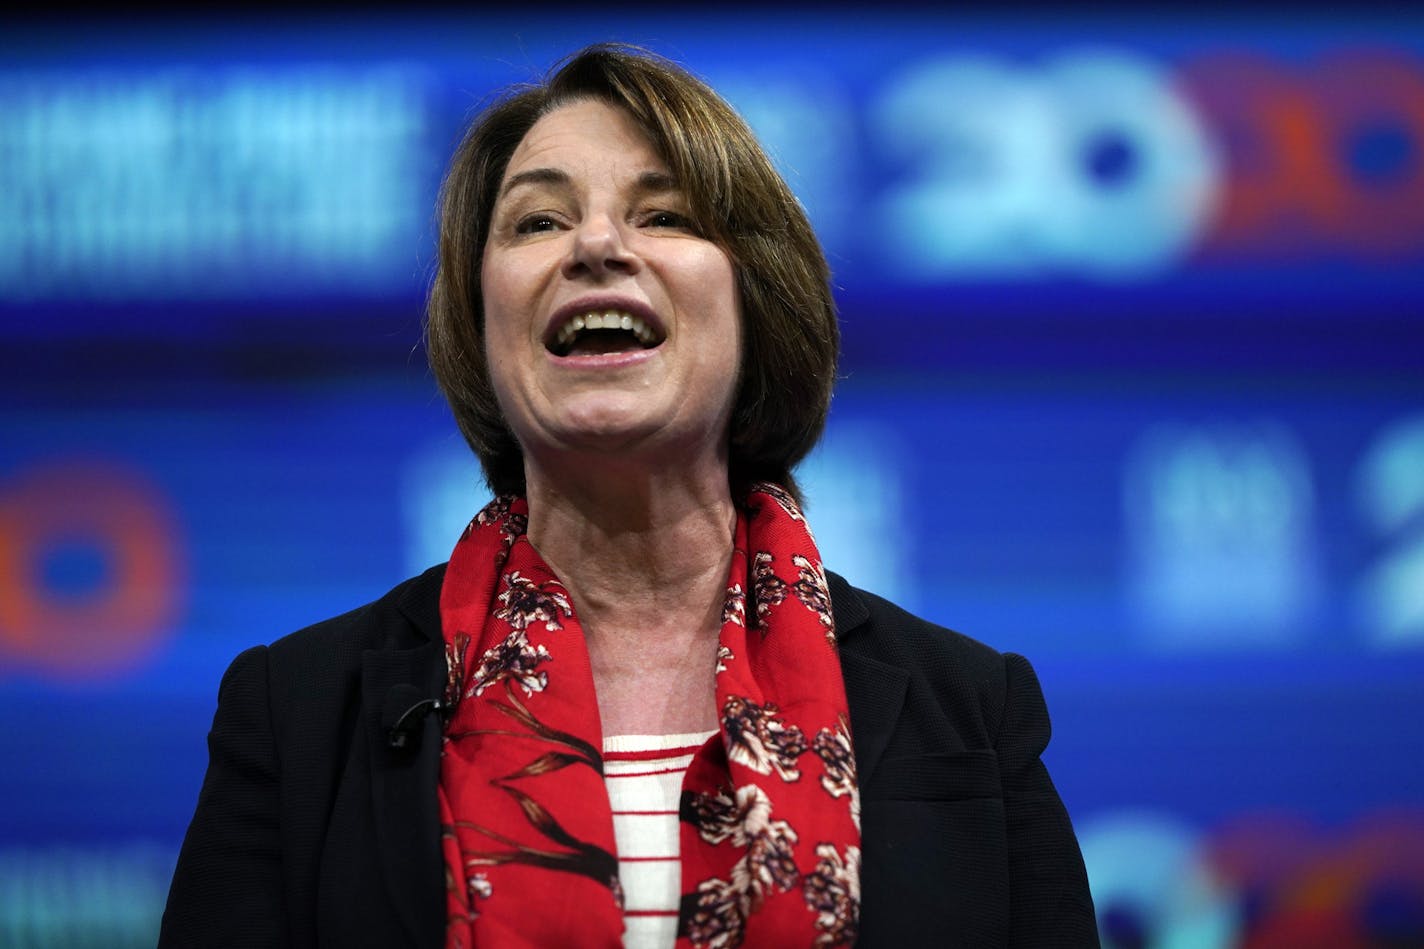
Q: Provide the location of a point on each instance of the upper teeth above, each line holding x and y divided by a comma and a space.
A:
605, 320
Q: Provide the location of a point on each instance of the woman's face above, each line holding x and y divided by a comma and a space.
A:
611, 325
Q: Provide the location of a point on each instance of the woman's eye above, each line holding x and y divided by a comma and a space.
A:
667, 219
535, 223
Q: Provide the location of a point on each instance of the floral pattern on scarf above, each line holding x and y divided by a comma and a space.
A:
770, 816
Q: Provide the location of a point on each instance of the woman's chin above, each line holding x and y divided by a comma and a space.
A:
608, 421
627, 444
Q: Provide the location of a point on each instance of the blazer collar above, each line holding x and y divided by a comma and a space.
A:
419, 602
875, 690
404, 781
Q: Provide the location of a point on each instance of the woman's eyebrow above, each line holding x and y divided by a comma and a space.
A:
649, 182
535, 176
656, 182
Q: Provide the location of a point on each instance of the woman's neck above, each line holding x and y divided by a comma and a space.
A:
634, 539
646, 561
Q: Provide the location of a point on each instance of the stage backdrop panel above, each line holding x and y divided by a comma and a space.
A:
1133, 384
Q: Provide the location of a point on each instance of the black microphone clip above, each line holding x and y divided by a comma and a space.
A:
404, 713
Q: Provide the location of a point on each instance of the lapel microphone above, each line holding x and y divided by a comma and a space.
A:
404, 713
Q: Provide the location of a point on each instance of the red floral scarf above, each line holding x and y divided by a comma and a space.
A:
770, 817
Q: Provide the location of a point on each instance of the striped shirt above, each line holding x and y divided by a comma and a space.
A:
644, 778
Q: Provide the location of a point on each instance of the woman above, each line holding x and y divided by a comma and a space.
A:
656, 717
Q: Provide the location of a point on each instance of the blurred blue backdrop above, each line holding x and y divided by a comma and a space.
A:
1133, 310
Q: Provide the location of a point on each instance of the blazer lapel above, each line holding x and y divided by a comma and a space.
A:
403, 788
875, 690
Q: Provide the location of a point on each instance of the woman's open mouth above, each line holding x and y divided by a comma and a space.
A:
602, 331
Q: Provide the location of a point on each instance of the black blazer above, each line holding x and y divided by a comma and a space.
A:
311, 830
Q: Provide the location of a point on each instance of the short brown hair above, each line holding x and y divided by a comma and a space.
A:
791, 339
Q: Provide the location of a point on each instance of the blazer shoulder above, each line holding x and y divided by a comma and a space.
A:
890, 632
406, 616
963, 673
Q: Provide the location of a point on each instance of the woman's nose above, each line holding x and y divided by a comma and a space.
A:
599, 248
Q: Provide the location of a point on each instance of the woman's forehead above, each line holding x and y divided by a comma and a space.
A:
582, 137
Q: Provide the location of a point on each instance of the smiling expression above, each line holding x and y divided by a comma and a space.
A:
611, 324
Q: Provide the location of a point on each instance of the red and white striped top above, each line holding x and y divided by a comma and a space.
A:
644, 778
